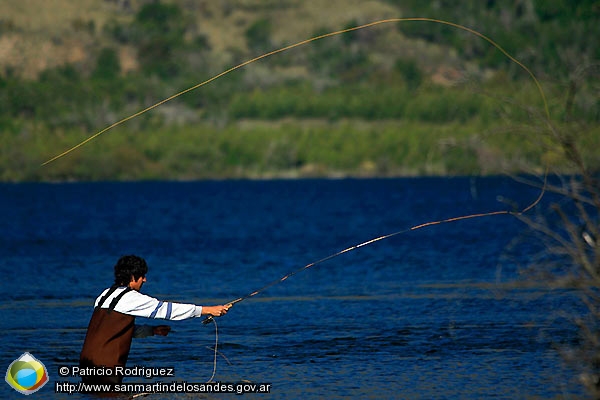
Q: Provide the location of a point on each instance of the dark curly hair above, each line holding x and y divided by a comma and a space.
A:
129, 266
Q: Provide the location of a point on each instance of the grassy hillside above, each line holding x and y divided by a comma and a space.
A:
63, 32
395, 99
37, 35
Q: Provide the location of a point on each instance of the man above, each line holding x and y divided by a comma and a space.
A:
112, 327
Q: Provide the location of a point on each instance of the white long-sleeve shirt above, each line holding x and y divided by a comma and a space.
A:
141, 305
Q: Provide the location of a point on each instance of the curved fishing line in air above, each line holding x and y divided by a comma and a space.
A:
380, 22
371, 241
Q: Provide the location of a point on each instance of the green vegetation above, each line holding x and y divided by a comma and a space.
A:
401, 99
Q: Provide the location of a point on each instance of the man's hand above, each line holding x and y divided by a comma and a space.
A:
161, 330
216, 311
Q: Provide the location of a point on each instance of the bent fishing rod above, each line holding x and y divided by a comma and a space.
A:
209, 319
377, 239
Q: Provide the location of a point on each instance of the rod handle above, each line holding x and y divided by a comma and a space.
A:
210, 318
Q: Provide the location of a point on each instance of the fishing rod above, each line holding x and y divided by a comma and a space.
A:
516, 214
210, 319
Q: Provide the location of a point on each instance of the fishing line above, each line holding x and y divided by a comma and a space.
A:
216, 352
303, 42
371, 241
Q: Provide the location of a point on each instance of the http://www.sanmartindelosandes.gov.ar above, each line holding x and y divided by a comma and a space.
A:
26, 374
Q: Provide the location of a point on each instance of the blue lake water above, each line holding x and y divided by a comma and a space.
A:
425, 314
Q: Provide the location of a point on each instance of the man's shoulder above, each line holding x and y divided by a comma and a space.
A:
130, 295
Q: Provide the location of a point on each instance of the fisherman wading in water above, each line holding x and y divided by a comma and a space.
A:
112, 327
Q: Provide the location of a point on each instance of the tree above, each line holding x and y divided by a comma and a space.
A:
108, 66
568, 233
258, 35
160, 32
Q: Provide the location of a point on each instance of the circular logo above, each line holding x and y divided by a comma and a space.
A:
26, 374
